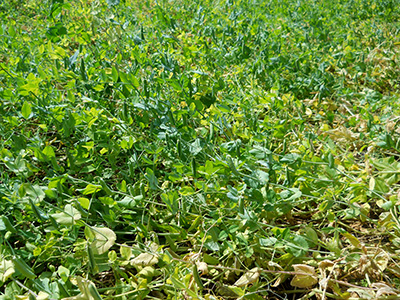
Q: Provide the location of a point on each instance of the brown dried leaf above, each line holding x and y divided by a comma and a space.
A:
202, 267
362, 293
364, 263
326, 264
383, 289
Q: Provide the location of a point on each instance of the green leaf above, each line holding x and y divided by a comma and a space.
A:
170, 199
325, 205
26, 110
312, 236
195, 147
112, 2
291, 194
22, 267
152, 179
130, 202
210, 259
186, 191
91, 189
114, 74
48, 151
268, 242
299, 247
208, 99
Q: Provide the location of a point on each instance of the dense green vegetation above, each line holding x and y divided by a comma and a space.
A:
163, 149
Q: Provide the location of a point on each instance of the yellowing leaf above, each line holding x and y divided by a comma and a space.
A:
145, 259
383, 289
248, 278
6, 269
84, 202
102, 240
63, 272
230, 292
381, 260
304, 281
186, 191
352, 239
126, 251
342, 134
68, 217
42, 296
147, 272
87, 288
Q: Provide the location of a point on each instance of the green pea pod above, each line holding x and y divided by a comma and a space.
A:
92, 261
288, 176
35, 210
179, 148
94, 292
211, 136
232, 165
167, 139
197, 277
331, 161
194, 167
171, 117
23, 268
195, 223
8, 224
241, 205
105, 186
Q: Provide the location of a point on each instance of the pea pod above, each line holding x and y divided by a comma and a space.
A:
331, 161
92, 260
93, 292
35, 210
194, 167
197, 277
179, 148
8, 224
241, 205
171, 117
288, 176
232, 165
195, 223
105, 186
23, 268
211, 136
